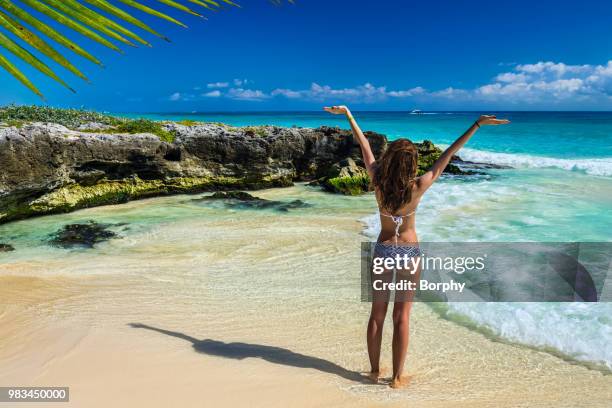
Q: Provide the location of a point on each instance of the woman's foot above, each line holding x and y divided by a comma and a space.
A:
400, 382
374, 376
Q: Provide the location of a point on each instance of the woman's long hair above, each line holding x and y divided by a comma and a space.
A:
395, 173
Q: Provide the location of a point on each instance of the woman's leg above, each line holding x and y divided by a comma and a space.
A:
374, 335
401, 329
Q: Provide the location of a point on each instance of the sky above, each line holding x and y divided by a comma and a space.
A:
382, 55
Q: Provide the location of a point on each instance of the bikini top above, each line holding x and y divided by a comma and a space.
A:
398, 220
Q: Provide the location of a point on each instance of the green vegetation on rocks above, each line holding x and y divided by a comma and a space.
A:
71, 118
75, 196
188, 122
255, 130
14, 122
14, 115
145, 126
428, 154
348, 185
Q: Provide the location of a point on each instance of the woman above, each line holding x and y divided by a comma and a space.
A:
398, 193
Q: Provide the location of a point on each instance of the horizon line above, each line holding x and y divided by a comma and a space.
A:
192, 112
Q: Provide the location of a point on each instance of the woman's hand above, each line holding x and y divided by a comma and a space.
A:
491, 120
338, 110
366, 150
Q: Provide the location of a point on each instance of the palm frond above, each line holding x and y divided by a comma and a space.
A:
25, 55
117, 12
36, 42
99, 19
206, 4
14, 71
180, 7
153, 12
45, 29
68, 22
85, 18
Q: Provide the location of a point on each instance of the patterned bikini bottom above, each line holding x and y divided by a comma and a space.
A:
390, 250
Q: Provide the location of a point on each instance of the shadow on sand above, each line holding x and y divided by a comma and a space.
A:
276, 355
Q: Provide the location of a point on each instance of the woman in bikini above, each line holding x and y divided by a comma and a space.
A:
398, 192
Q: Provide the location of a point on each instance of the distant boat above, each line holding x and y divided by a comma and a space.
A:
416, 112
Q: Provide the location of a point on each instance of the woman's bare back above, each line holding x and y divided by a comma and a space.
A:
404, 218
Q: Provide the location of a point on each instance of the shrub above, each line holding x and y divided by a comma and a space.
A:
188, 122
14, 122
145, 126
71, 118
255, 130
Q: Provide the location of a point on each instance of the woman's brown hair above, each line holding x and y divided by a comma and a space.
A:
395, 173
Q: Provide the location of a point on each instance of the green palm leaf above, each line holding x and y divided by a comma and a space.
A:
179, 6
39, 44
62, 5
12, 69
117, 12
48, 31
206, 4
151, 11
62, 19
25, 55
84, 20
102, 20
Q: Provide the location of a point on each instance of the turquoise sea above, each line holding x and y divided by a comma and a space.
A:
559, 189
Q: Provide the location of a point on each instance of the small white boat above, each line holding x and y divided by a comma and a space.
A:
416, 112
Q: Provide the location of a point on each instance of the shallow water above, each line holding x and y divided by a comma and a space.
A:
201, 254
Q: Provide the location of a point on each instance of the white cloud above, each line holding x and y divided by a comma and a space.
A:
550, 82
450, 93
287, 93
212, 94
407, 93
556, 68
217, 85
544, 83
361, 93
247, 94
510, 77
364, 93
601, 78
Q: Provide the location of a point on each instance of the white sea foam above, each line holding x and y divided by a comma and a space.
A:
577, 330
595, 166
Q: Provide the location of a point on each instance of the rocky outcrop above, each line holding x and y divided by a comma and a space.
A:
47, 168
81, 235
243, 200
6, 248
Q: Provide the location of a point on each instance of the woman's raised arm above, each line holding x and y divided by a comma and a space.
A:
366, 150
427, 179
